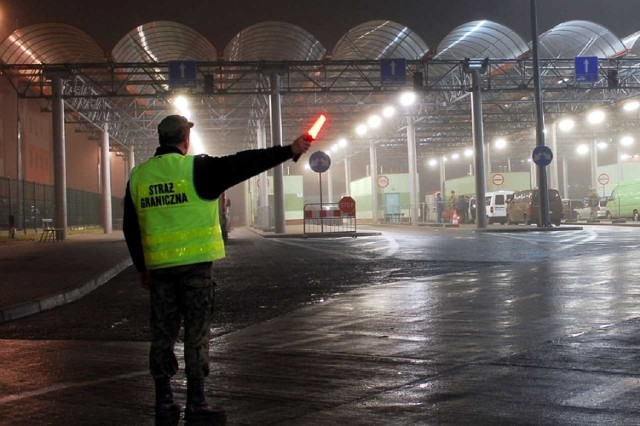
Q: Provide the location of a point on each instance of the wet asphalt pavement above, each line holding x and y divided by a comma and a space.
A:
418, 326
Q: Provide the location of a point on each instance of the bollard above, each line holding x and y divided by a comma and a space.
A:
12, 226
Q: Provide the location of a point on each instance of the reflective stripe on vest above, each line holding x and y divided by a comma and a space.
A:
177, 226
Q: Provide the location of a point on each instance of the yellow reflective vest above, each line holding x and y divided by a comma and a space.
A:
177, 227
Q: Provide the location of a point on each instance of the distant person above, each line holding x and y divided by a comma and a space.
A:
462, 209
453, 200
172, 229
439, 207
594, 202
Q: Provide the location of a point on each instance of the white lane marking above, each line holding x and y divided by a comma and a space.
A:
390, 249
62, 386
566, 241
520, 299
600, 394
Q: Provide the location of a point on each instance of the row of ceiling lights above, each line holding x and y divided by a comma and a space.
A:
566, 124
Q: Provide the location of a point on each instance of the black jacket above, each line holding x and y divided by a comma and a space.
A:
211, 177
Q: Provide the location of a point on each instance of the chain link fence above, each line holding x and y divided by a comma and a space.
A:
24, 204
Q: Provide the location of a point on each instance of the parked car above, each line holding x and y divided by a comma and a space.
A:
525, 206
584, 212
624, 201
496, 205
224, 213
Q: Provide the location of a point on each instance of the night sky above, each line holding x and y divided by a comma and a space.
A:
108, 21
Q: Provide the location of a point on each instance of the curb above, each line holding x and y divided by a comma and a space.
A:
49, 302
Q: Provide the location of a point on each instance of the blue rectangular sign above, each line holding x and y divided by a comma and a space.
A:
393, 71
586, 68
182, 74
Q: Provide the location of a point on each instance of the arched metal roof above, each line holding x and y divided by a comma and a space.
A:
380, 39
481, 39
632, 42
580, 38
274, 41
162, 41
50, 43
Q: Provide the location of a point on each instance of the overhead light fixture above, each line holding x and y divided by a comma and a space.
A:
501, 143
389, 111
362, 129
181, 103
596, 116
374, 121
627, 140
455, 156
408, 98
566, 124
468, 152
602, 145
631, 106
342, 143
582, 149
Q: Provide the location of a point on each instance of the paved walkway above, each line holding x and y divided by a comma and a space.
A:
37, 276
367, 357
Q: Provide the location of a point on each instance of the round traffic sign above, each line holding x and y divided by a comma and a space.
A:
542, 155
347, 205
497, 179
319, 162
603, 178
383, 181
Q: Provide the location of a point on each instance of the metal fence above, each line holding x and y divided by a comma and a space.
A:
27, 203
327, 219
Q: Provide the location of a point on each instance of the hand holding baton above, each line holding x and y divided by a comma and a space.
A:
312, 133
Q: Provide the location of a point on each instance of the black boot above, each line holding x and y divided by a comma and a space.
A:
165, 407
197, 407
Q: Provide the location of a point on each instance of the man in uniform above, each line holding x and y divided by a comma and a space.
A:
171, 225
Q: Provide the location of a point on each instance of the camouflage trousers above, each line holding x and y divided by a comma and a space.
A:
181, 294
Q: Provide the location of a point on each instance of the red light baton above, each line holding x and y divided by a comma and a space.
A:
313, 131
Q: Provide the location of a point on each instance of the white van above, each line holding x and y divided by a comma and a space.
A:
496, 203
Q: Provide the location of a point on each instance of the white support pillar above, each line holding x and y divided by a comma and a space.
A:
443, 174
553, 167
533, 175
329, 186
132, 160
263, 178
105, 167
373, 168
347, 176
619, 162
413, 171
275, 109
59, 157
593, 157
565, 178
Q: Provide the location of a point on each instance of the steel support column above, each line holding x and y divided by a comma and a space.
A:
275, 110
373, 168
347, 176
105, 167
59, 156
413, 170
264, 219
553, 167
545, 219
565, 178
478, 145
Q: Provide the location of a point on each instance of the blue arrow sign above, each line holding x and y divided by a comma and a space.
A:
182, 74
542, 155
586, 68
393, 71
319, 162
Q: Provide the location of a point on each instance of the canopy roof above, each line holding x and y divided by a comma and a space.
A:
481, 39
580, 38
380, 39
50, 44
273, 40
163, 41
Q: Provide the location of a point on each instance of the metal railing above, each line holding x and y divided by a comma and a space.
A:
326, 218
24, 204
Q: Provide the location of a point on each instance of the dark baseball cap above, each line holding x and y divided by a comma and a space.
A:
173, 129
